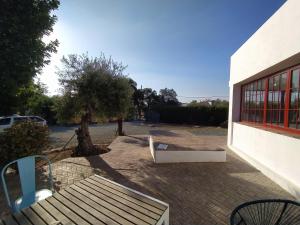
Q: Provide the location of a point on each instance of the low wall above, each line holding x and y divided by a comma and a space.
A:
165, 156
276, 155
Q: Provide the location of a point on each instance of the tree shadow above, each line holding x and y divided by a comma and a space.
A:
167, 133
198, 193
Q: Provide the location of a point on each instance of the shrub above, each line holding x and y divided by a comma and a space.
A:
200, 115
22, 139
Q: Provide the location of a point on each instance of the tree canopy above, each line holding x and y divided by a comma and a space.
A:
93, 86
22, 51
169, 96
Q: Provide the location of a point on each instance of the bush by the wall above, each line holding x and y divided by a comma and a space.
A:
200, 115
22, 139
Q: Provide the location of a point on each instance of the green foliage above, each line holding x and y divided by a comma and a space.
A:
96, 85
169, 96
201, 115
33, 100
23, 139
210, 103
66, 109
119, 99
22, 51
93, 86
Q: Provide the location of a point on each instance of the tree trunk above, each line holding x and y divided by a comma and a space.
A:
139, 112
120, 127
85, 145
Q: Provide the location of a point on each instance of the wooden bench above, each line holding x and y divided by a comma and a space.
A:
95, 200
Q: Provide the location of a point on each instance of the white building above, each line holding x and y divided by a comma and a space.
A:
264, 112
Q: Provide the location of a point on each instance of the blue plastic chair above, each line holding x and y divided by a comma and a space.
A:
26, 168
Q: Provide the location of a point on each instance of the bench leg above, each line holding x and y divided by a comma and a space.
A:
164, 218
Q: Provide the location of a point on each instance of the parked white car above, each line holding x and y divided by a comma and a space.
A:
8, 121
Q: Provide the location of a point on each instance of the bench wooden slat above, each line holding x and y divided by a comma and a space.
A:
44, 214
110, 210
122, 195
76, 208
67, 211
99, 212
93, 201
55, 213
33, 217
130, 208
130, 193
22, 220
112, 197
9, 220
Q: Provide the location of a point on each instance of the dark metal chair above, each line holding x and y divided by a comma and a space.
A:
267, 212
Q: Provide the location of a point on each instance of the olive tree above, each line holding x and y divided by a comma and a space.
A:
92, 86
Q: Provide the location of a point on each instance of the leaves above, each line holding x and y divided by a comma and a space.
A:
23, 23
23, 139
95, 84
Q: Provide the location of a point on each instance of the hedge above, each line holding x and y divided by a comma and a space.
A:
200, 115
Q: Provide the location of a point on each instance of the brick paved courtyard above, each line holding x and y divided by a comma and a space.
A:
198, 193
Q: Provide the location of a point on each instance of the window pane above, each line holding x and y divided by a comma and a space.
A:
282, 99
295, 78
263, 84
275, 117
262, 101
292, 118
281, 117
259, 116
270, 96
294, 99
283, 79
275, 99
270, 83
269, 114
259, 85
276, 82
5, 121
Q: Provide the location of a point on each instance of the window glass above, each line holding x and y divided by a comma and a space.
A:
276, 82
292, 118
295, 78
294, 99
272, 91
36, 119
269, 115
270, 83
281, 117
20, 119
5, 121
283, 79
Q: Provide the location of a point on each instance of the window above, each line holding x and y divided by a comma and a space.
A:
273, 101
20, 119
294, 121
253, 101
276, 99
4, 121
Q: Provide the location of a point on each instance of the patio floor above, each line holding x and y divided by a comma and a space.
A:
198, 193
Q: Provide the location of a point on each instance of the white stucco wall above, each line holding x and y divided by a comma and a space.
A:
277, 155
275, 46
276, 40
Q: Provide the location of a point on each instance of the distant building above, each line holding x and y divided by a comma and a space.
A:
264, 111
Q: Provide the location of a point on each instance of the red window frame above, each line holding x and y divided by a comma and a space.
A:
251, 102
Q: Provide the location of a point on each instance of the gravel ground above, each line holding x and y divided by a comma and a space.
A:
105, 133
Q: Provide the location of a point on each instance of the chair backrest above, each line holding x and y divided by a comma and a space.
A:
26, 168
267, 212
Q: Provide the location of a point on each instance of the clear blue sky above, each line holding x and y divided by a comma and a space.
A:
185, 45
